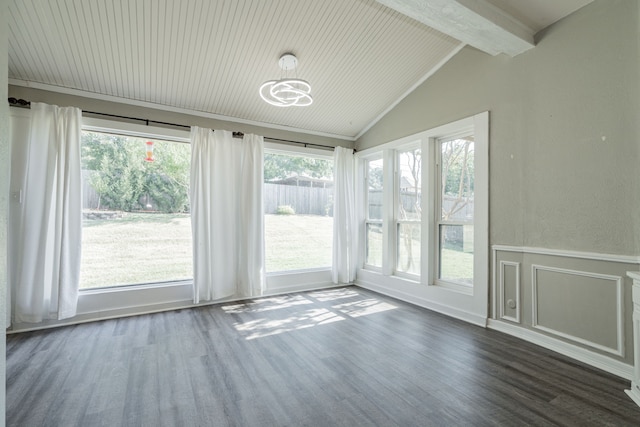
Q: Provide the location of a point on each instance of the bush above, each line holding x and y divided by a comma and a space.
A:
285, 210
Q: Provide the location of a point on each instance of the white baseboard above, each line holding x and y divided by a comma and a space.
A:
425, 303
634, 394
591, 358
139, 310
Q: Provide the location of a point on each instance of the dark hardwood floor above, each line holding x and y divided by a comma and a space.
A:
340, 357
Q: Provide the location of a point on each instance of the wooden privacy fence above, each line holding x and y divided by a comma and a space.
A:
90, 198
303, 200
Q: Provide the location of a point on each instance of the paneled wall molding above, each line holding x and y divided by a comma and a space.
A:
579, 353
618, 283
634, 392
626, 259
501, 292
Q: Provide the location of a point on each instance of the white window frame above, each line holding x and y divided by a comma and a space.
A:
396, 209
91, 124
478, 125
437, 213
367, 220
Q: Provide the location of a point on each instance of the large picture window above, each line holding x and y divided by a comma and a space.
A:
136, 223
454, 219
298, 216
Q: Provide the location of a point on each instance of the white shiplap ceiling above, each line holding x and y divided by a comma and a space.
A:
206, 56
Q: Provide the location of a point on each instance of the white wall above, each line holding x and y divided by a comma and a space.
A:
563, 174
4, 194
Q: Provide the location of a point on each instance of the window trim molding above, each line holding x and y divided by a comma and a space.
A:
137, 130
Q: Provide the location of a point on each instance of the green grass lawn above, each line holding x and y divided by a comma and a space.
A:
138, 248
148, 248
456, 265
295, 242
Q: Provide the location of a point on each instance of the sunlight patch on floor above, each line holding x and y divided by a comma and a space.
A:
265, 327
364, 307
267, 304
294, 316
333, 294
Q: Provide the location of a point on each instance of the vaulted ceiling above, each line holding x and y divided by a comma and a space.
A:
210, 57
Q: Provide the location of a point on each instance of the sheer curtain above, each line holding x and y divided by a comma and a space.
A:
226, 214
344, 217
47, 259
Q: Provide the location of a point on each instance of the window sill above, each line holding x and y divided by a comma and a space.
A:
454, 287
302, 271
135, 287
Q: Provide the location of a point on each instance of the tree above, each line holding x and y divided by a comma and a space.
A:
279, 166
125, 181
410, 163
457, 175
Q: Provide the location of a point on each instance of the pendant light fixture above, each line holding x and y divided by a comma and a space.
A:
288, 91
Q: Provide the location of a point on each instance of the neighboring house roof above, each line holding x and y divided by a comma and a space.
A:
303, 181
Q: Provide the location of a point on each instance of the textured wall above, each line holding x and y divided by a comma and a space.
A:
564, 134
5, 156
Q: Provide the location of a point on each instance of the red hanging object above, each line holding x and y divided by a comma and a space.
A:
149, 157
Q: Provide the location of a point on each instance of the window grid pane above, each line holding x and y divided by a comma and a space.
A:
409, 185
408, 247
457, 180
373, 254
456, 253
374, 189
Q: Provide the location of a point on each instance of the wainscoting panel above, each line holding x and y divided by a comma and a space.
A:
579, 301
581, 306
509, 291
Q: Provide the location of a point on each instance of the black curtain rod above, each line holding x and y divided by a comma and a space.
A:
21, 103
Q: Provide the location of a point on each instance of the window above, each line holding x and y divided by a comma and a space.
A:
430, 225
454, 210
408, 212
298, 215
373, 221
136, 223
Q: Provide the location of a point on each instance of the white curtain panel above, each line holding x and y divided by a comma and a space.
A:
226, 214
344, 217
47, 272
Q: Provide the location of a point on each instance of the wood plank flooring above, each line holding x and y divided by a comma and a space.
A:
339, 357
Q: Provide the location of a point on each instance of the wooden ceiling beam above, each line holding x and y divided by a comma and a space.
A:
474, 22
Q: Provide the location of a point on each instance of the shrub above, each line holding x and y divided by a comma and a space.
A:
285, 210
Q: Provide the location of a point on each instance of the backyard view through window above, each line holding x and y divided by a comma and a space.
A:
408, 211
298, 215
136, 223
455, 219
373, 223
